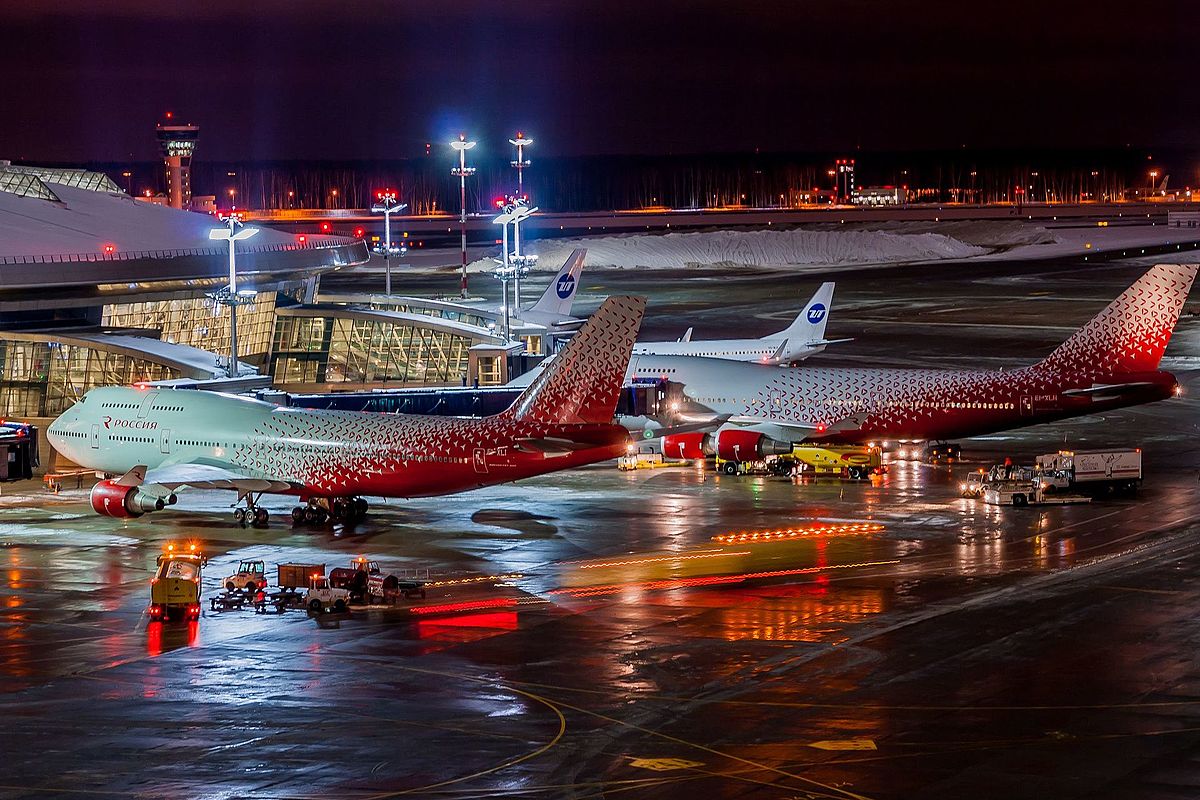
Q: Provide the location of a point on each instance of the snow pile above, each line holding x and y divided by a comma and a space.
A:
820, 245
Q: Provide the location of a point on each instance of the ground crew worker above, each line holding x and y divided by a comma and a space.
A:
260, 601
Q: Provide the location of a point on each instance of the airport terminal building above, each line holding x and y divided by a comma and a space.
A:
97, 288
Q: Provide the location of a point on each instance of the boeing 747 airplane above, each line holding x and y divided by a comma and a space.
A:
159, 441
1111, 362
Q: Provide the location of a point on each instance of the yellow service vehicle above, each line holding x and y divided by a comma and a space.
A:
853, 461
175, 587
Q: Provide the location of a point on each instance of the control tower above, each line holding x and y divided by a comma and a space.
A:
177, 143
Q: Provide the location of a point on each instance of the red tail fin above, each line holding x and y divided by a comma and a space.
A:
583, 382
1131, 334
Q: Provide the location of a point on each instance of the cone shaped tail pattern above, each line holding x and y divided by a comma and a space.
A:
1131, 334
582, 384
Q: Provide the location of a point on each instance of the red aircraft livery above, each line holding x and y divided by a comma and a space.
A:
165, 439
1112, 362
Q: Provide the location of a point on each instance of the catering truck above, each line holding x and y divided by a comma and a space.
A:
1094, 472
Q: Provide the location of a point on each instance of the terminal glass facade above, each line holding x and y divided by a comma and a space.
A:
335, 350
43, 379
465, 316
201, 323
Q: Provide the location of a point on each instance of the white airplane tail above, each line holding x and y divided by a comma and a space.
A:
809, 325
560, 294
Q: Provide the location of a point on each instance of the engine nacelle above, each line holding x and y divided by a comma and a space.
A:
687, 445
123, 502
734, 445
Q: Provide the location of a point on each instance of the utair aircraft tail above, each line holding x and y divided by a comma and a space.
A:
807, 331
803, 338
554, 306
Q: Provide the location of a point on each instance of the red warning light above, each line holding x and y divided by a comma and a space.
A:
109, 249
358, 232
326, 227
302, 238
498, 202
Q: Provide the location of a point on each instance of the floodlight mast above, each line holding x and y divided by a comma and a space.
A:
521, 142
520, 212
462, 171
505, 271
387, 205
233, 235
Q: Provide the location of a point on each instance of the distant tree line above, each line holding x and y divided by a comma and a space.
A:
700, 181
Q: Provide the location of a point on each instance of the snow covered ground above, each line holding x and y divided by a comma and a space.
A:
822, 246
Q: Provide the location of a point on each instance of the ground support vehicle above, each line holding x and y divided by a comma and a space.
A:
1096, 472
175, 587
942, 453
229, 601
647, 461
251, 575
1026, 493
854, 462
321, 597
367, 582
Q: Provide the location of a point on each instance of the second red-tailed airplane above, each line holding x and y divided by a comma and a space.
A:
1111, 362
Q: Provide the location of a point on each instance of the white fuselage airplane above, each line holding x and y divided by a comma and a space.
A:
803, 338
159, 441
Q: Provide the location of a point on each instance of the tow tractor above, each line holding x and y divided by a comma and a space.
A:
251, 575
322, 597
175, 587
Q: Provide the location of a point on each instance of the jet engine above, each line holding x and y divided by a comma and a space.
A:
123, 502
687, 445
737, 445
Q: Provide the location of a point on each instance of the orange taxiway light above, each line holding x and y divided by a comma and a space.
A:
752, 537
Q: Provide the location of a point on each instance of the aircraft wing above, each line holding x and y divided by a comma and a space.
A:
202, 476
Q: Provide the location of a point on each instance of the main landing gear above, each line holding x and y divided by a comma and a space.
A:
253, 514
338, 510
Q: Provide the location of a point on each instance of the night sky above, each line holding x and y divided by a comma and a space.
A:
270, 79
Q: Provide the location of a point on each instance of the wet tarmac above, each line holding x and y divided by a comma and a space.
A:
601, 633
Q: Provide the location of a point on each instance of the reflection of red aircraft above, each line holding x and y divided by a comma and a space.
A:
1111, 362
162, 440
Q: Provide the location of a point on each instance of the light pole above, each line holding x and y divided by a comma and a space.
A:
462, 171
520, 212
387, 205
504, 272
521, 142
230, 295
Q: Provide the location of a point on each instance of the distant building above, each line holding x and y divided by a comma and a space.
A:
877, 196
177, 143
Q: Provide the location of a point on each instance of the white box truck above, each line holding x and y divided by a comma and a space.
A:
1097, 472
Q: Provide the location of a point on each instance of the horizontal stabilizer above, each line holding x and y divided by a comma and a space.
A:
1108, 389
